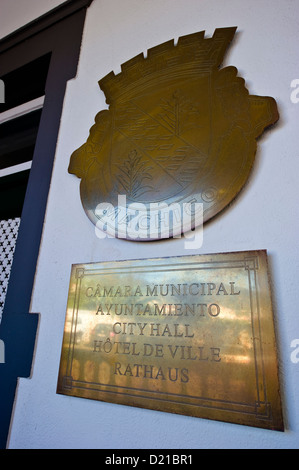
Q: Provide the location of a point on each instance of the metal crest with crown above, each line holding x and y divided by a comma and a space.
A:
179, 129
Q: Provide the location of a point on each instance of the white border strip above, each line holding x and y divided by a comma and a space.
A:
15, 169
19, 111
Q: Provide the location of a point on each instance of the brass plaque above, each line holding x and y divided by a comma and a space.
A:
191, 335
178, 130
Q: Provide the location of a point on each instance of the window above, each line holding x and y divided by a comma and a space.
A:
19, 123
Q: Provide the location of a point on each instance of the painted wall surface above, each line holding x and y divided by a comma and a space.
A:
264, 216
16, 13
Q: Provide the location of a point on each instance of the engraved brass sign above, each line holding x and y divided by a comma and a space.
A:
179, 129
191, 335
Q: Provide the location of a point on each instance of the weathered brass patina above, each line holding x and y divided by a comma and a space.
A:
178, 130
190, 335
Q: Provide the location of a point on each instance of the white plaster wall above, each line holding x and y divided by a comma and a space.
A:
264, 216
16, 13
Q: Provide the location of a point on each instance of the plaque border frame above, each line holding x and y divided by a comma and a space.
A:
260, 409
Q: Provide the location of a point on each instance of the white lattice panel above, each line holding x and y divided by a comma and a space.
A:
8, 237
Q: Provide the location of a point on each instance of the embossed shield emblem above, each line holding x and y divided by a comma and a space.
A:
179, 131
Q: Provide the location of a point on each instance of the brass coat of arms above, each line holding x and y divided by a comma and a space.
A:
179, 129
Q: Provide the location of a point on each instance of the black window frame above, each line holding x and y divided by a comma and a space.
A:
58, 32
